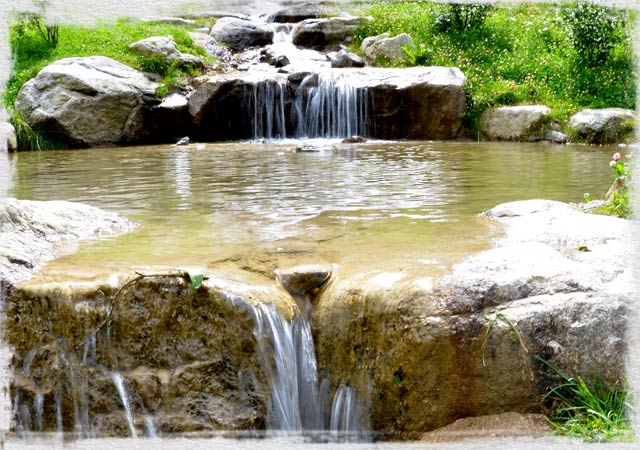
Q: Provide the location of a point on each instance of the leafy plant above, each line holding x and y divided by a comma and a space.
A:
618, 196
594, 31
514, 333
462, 16
33, 24
596, 414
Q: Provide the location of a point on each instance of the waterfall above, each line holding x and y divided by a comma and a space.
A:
298, 403
327, 106
124, 397
268, 107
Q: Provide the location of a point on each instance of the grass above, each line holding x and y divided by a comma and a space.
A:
521, 54
594, 414
31, 53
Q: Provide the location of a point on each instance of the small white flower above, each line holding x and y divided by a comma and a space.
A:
612, 163
586, 195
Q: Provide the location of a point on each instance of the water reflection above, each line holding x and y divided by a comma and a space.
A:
404, 201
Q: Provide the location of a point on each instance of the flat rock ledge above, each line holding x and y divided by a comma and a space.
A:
431, 351
34, 232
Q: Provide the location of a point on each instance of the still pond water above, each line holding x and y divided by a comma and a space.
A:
408, 206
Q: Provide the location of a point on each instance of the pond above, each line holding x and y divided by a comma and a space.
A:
400, 205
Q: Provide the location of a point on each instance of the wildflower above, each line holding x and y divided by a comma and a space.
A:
586, 195
612, 163
616, 156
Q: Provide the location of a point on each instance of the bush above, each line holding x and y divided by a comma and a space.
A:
462, 16
594, 29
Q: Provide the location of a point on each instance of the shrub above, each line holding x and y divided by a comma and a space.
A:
594, 30
462, 16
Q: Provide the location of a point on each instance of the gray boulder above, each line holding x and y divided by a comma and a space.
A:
164, 48
91, 101
513, 123
603, 126
429, 351
240, 34
320, 33
296, 13
211, 46
32, 232
411, 103
387, 47
8, 138
343, 59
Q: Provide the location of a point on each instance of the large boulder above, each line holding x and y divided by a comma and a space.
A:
90, 101
295, 13
320, 33
240, 34
33, 232
386, 47
164, 48
603, 126
514, 123
411, 103
429, 351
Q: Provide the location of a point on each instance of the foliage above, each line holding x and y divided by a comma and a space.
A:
31, 25
31, 53
514, 333
521, 54
618, 203
458, 17
596, 414
594, 30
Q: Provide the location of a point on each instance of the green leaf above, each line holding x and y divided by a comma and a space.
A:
195, 279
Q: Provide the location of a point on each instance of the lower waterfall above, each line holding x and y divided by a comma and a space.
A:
299, 403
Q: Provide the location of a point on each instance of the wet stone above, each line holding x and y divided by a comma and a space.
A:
307, 279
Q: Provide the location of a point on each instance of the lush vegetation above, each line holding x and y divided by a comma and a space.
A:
595, 414
34, 45
567, 56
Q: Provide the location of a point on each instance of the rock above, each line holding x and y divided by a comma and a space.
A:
320, 33
215, 15
34, 232
295, 13
274, 58
603, 126
212, 47
239, 34
504, 425
91, 101
513, 123
183, 141
306, 280
188, 358
429, 351
411, 103
344, 59
8, 138
386, 47
164, 48
354, 140
556, 136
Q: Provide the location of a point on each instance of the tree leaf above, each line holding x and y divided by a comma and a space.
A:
195, 279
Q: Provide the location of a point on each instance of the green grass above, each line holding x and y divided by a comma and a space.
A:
107, 39
31, 53
594, 414
521, 54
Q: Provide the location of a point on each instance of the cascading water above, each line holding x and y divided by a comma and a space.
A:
298, 403
326, 106
118, 381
